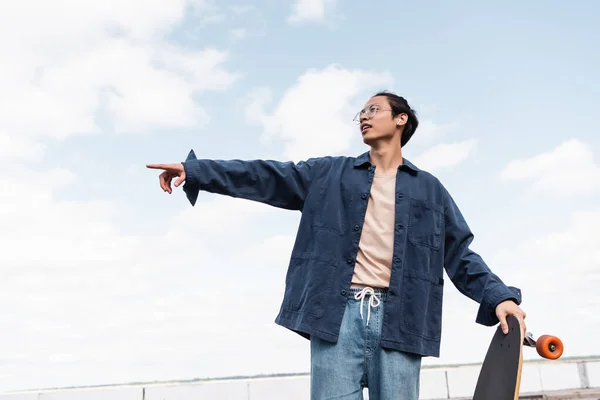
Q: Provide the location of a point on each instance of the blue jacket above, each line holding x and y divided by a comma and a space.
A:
332, 193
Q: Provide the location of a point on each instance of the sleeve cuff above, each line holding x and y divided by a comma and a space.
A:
487, 310
190, 186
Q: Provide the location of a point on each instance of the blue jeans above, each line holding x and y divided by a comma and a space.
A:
341, 370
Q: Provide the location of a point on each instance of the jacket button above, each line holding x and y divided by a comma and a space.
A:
400, 195
349, 260
364, 196
356, 227
343, 292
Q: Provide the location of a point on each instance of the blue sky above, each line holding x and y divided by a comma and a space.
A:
109, 280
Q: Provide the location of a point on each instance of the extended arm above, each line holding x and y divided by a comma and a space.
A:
280, 184
468, 271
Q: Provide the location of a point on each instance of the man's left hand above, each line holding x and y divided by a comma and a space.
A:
509, 307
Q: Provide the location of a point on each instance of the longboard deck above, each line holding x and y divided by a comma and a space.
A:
500, 376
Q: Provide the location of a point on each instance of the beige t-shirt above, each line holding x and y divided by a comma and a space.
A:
376, 246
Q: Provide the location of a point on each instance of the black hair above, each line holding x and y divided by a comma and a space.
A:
399, 106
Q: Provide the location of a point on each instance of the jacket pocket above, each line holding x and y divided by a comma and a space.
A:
421, 306
330, 205
425, 223
308, 285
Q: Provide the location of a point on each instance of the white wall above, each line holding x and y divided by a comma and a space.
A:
441, 382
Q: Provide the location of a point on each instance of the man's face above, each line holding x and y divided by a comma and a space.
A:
376, 120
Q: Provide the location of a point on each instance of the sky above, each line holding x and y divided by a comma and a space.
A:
106, 279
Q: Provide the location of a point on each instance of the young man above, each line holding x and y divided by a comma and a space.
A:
366, 275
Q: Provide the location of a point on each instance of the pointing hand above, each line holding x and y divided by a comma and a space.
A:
170, 171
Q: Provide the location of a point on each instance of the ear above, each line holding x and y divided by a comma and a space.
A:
401, 119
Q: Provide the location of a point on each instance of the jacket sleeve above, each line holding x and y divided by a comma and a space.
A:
280, 184
467, 270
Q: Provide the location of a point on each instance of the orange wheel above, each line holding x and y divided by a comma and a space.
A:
549, 347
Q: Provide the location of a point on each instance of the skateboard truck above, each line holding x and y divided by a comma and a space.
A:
547, 346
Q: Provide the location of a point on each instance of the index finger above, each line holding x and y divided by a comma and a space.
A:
159, 166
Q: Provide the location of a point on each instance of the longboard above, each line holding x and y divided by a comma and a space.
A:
500, 375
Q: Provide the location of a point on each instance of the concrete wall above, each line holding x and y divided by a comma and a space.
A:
443, 382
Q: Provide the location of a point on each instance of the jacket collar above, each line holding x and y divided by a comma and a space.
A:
363, 159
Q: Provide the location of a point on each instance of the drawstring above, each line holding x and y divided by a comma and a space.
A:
373, 301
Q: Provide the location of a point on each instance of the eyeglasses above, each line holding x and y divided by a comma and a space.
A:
369, 112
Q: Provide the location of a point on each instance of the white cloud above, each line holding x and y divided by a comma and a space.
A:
560, 273
429, 147
13, 147
275, 250
310, 10
208, 216
438, 153
568, 170
74, 65
68, 23
579, 237
314, 116
445, 155
41, 230
87, 299
430, 131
